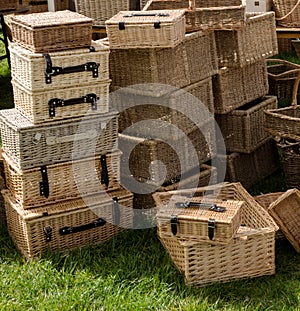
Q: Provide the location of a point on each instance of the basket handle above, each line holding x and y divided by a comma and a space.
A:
53, 140
94, 224
295, 92
205, 206
147, 14
296, 67
289, 13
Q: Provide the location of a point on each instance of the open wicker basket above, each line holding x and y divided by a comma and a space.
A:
287, 12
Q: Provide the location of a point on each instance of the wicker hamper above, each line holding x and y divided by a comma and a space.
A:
220, 14
37, 71
286, 212
287, 12
51, 31
234, 87
250, 254
256, 41
193, 60
8, 5
61, 227
63, 181
243, 128
61, 103
35, 145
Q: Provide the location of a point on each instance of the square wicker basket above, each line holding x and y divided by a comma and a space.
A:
30, 145
151, 29
51, 31
61, 227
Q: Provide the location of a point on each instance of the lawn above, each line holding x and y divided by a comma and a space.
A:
134, 272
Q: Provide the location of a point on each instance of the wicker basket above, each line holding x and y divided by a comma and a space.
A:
8, 5
153, 29
68, 68
296, 45
243, 128
249, 168
38, 6
255, 42
287, 12
61, 103
51, 31
63, 181
101, 10
191, 61
49, 228
250, 254
285, 122
286, 212
226, 14
281, 77
234, 87
60, 141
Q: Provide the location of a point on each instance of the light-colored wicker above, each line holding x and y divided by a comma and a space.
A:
243, 128
249, 168
68, 68
101, 10
66, 180
287, 12
61, 103
286, 212
162, 103
151, 29
256, 41
281, 77
58, 141
28, 228
234, 87
285, 122
220, 14
38, 6
8, 5
250, 254
191, 61
51, 31
174, 154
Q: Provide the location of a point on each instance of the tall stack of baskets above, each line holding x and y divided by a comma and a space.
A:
61, 158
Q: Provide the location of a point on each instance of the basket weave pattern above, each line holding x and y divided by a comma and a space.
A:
8, 5
287, 12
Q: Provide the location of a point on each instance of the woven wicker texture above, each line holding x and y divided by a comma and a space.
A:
287, 12
281, 77
27, 227
51, 31
191, 61
61, 103
29, 69
101, 10
284, 45
35, 145
285, 122
286, 212
296, 45
66, 180
234, 87
249, 168
139, 29
250, 254
201, 15
243, 128
38, 6
256, 41
170, 105
192, 222
8, 5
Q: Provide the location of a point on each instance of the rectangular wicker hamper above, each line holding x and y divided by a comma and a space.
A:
243, 128
234, 87
192, 60
42, 106
256, 41
51, 31
226, 14
30, 145
152, 29
61, 227
37, 72
63, 181
250, 254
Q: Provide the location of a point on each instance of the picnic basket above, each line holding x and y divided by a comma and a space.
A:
287, 12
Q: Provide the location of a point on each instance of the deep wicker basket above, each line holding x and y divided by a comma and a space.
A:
287, 12
61, 227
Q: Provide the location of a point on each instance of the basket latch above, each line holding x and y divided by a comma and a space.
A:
94, 224
48, 233
116, 211
174, 222
44, 184
104, 171
121, 25
211, 228
156, 24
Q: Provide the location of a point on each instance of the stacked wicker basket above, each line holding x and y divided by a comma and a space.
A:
62, 165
